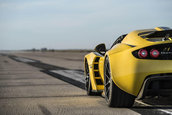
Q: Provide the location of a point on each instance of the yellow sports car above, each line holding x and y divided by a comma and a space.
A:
138, 64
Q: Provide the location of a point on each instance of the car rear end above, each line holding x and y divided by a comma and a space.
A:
157, 84
159, 81
144, 69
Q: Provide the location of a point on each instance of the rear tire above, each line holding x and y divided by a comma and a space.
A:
115, 97
89, 87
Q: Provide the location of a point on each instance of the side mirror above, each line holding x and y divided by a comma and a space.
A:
101, 48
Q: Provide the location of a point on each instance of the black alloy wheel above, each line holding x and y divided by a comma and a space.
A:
107, 78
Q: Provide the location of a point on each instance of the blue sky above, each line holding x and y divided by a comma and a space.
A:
76, 24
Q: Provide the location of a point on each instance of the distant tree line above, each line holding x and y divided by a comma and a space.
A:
44, 49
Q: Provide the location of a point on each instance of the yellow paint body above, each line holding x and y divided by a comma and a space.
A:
127, 71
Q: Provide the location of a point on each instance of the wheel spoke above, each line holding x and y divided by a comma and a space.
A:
107, 76
107, 93
108, 83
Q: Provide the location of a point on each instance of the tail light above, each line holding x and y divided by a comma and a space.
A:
154, 53
142, 53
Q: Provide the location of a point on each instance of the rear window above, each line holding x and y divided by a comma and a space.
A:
156, 36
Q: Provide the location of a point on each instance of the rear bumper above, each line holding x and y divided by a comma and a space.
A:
158, 84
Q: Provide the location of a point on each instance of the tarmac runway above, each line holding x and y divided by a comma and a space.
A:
30, 84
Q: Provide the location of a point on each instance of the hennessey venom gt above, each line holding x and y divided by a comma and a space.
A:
137, 65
